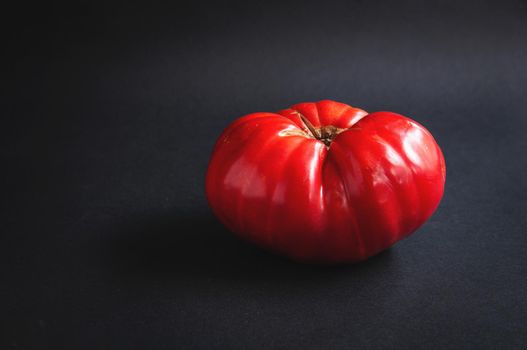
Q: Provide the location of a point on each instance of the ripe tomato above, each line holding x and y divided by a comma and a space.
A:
325, 182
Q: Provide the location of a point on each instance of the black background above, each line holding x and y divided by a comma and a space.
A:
109, 114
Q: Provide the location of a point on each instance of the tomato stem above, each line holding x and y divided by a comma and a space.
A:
325, 134
310, 126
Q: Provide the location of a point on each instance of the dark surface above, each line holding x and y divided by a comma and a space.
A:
109, 114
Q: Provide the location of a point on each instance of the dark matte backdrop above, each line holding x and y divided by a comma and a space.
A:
109, 114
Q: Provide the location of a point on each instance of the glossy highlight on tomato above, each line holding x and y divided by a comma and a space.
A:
325, 182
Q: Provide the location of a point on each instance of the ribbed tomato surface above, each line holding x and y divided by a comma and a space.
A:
325, 182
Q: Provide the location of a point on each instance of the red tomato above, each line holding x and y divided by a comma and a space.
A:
325, 182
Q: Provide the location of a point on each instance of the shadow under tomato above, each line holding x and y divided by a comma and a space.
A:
199, 247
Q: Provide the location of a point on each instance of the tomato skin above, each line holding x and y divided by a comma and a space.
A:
378, 181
